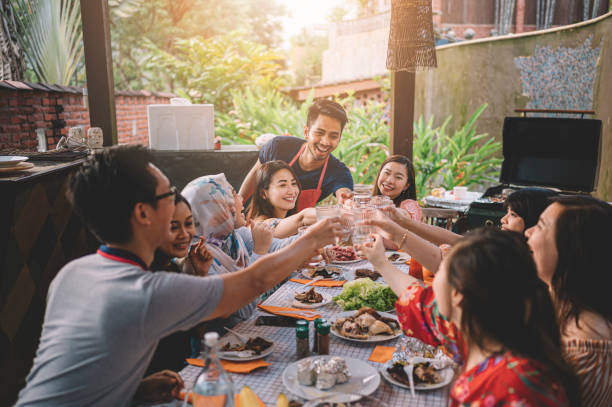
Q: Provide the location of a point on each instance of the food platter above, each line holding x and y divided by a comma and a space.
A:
298, 304
364, 380
334, 272
234, 356
402, 258
446, 376
370, 339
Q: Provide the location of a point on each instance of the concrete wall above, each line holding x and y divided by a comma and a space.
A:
567, 68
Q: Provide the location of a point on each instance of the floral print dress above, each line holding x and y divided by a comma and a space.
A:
500, 380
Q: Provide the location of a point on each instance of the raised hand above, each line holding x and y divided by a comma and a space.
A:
325, 231
308, 217
262, 237
386, 227
373, 251
201, 259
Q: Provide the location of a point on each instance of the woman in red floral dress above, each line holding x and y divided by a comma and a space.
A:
490, 312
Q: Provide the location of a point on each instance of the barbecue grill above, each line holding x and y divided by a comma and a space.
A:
562, 154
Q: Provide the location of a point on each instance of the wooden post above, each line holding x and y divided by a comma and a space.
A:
402, 113
99, 68
520, 16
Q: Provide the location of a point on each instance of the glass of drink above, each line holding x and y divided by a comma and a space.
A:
363, 194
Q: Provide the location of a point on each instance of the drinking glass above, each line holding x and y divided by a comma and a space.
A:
361, 233
363, 194
328, 211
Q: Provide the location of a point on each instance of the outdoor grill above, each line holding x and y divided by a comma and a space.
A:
556, 153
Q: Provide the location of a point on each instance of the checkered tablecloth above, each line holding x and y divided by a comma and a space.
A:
267, 382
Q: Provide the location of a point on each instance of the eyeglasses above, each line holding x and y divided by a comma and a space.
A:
173, 192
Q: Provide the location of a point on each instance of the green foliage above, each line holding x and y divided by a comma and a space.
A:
50, 34
307, 56
365, 139
161, 23
257, 111
207, 70
463, 158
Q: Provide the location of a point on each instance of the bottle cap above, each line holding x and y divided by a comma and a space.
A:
319, 321
301, 323
324, 328
301, 332
211, 339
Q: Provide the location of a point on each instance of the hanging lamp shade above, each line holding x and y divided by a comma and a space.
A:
411, 36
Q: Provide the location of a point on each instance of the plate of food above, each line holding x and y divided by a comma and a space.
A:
322, 376
366, 325
397, 257
256, 347
310, 299
367, 273
425, 376
344, 255
327, 272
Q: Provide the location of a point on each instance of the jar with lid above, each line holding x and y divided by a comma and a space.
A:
323, 338
301, 338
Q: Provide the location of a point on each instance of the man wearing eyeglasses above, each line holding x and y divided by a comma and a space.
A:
106, 312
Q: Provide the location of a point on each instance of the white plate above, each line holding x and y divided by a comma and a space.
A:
446, 376
11, 160
235, 358
404, 257
359, 371
371, 339
326, 300
338, 275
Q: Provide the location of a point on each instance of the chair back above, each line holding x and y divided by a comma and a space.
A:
441, 217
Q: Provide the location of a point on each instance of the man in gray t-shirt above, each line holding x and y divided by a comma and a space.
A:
106, 312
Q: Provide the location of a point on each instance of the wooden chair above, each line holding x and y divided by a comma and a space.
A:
441, 217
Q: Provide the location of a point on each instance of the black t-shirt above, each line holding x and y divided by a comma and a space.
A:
285, 148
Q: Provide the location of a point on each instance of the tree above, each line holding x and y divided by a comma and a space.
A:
162, 22
12, 58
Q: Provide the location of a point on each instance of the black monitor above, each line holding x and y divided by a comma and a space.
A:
551, 152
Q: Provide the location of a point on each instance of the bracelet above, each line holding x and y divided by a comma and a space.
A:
403, 239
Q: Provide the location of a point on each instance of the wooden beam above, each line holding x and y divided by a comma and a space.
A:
99, 68
402, 113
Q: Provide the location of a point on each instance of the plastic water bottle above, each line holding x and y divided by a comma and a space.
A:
213, 387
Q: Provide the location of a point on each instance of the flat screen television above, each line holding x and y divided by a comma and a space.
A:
551, 152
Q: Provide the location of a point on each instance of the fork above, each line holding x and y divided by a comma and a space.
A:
240, 337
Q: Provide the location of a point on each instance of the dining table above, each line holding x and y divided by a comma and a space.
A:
267, 382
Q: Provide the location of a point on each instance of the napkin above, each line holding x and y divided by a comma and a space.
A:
382, 354
290, 312
320, 283
236, 399
234, 367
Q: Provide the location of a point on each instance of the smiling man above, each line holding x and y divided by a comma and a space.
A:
319, 172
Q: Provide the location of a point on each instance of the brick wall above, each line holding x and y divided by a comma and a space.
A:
25, 107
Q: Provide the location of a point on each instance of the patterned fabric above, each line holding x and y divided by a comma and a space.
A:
214, 212
592, 361
412, 207
500, 380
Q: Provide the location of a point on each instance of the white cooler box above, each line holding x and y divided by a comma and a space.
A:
181, 127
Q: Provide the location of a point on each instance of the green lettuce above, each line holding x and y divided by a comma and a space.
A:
363, 292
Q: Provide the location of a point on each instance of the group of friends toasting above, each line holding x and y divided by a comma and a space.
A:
524, 310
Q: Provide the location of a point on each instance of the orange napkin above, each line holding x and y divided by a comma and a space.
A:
320, 283
234, 367
382, 354
236, 399
279, 311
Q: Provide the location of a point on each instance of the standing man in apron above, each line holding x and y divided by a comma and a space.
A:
319, 172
